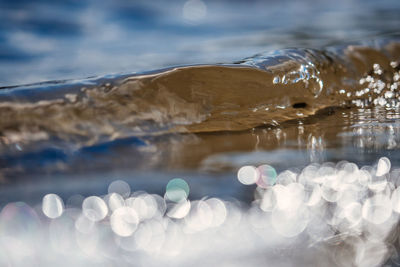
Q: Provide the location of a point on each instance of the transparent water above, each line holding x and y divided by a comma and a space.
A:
61, 40
142, 163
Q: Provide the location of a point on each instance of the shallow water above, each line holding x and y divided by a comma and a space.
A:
49, 40
300, 114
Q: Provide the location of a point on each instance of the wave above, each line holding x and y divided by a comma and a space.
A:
344, 214
264, 90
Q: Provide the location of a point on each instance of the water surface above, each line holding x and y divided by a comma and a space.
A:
180, 97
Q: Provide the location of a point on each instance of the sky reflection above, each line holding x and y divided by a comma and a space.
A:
47, 40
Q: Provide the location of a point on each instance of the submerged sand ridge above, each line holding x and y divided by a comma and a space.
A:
265, 89
180, 117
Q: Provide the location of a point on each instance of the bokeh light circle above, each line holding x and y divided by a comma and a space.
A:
177, 190
267, 176
248, 175
120, 187
52, 206
94, 208
124, 221
383, 166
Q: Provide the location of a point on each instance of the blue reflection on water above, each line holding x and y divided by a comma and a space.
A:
45, 40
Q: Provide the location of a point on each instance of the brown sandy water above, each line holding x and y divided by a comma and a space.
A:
289, 99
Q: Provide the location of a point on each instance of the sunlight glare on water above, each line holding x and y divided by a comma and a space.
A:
52, 206
94, 208
282, 213
177, 190
248, 175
